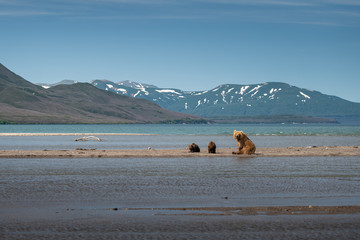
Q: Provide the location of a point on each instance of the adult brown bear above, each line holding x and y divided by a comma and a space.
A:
246, 146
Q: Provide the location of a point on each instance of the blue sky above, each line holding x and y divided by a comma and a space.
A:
187, 44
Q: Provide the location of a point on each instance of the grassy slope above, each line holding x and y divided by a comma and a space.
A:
23, 102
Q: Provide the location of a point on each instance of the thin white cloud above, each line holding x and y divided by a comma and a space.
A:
147, 2
333, 24
189, 2
286, 2
25, 13
145, 17
261, 2
346, 13
315, 12
342, 2
8, 2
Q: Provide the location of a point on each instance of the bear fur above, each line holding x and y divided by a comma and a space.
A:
194, 148
212, 147
246, 146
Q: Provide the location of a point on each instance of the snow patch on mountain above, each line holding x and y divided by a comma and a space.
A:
254, 93
137, 93
229, 90
306, 96
223, 94
123, 91
167, 91
243, 89
198, 104
200, 93
274, 90
141, 88
255, 90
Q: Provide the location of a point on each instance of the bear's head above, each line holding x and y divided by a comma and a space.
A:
238, 135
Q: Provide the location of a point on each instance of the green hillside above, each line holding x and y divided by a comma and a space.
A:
24, 102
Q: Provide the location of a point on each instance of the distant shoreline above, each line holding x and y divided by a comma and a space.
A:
74, 134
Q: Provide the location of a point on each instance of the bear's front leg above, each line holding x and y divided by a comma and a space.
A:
238, 152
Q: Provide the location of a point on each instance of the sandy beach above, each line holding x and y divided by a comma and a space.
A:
150, 153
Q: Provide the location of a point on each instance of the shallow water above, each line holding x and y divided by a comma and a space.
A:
72, 198
191, 129
179, 182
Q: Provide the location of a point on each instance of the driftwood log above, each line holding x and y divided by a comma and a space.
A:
88, 138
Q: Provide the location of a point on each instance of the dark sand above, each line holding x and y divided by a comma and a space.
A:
184, 223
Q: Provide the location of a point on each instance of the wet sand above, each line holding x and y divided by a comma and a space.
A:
314, 151
245, 211
183, 223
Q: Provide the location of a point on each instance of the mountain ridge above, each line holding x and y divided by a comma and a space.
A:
263, 102
264, 99
24, 102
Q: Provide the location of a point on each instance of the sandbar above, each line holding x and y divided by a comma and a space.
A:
311, 151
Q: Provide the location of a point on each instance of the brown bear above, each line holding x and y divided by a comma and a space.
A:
194, 148
246, 146
212, 147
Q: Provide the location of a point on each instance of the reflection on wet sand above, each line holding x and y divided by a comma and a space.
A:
186, 197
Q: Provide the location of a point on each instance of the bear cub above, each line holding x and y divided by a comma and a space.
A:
194, 148
212, 147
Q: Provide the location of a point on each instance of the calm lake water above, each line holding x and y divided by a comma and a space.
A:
167, 142
192, 129
164, 136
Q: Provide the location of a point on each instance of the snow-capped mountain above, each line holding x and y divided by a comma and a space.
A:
65, 82
272, 98
132, 84
164, 97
